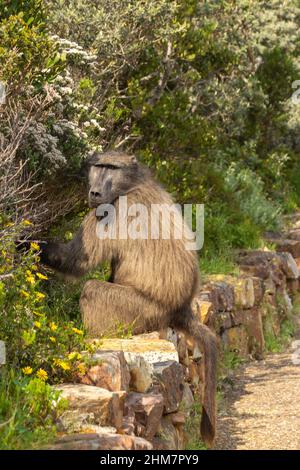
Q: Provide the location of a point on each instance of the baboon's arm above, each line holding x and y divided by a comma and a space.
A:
78, 256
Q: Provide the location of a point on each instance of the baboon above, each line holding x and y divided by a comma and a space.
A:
153, 281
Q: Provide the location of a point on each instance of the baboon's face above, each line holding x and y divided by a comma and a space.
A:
110, 179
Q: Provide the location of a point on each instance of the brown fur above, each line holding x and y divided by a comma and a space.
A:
153, 281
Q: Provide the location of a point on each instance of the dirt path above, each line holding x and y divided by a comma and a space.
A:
263, 406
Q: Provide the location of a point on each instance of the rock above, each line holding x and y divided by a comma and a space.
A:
238, 317
128, 424
141, 372
170, 335
288, 245
2, 353
271, 320
244, 292
293, 286
207, 294
169, 437
110, 372
140, 353
243, 289
182, 350
294, 234
262, 264
152, 349
236, 340
221, 321
147, 411
259, 291
221, 291
269, 286
100, 441
254, 328
187, 401
73, 421
102, 406
258, 270
294, 217
203, 309
168, 380
290, 266
285, 302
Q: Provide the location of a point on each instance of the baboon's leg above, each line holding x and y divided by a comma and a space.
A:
188, 323
105, 305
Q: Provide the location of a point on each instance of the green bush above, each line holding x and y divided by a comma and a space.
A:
38, 342
28, 411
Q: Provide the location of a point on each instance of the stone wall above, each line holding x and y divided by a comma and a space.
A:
138, 392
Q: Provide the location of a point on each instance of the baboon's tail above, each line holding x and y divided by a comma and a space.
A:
208, 343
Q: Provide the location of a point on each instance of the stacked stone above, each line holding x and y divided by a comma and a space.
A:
134, 396
139, 392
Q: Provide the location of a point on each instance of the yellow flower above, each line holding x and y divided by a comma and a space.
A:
27, 222
41, 276
34, 267
40, 296
53, 326
35, 246
42, 374
37, 324
30, 278
24, 293
78, 332
52, 339
74, 355
62, 364
27, 370
9, 224
81, 368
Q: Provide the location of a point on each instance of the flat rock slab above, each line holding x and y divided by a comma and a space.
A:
101, 441
104, 408
262, 410
151, 349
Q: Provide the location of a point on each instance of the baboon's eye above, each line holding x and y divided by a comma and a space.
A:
110, 167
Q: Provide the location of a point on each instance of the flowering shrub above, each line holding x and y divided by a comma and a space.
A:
36, 343
28, 410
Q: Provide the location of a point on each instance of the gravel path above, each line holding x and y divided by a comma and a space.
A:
262, 408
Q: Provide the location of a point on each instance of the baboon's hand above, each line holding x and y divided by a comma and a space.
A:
51, 254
